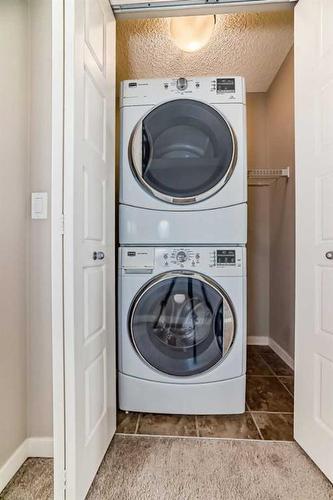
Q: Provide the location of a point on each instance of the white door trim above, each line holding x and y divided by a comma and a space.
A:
134, 9
57, 247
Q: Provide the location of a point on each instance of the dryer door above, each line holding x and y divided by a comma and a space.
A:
182, 324
183, 151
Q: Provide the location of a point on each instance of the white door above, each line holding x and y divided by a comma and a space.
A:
314, 231
89, 245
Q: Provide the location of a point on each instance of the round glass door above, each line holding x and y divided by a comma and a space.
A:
182, 325
183, 151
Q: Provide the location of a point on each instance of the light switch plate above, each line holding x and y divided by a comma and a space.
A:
39, 205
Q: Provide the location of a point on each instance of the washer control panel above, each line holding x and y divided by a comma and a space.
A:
223, 257
181, 258
216, 261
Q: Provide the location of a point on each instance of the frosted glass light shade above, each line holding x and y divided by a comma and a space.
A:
191, 33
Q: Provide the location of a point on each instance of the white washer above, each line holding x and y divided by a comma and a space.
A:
182, 329
183, 161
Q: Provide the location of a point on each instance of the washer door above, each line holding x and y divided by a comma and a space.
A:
183, 151
182, 324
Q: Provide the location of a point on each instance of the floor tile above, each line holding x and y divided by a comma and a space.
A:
278, 366
275, 426
268, 394
262, 348
227, 426
126, 422
167, 425
288, 382
256, 364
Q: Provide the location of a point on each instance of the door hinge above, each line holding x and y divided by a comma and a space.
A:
65, 479
62, 224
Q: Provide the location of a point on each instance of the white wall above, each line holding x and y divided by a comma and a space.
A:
272, 211
14, 173
39, 332
281, 152
258, 220
25, 259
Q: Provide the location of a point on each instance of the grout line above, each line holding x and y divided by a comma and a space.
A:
137, 424
274, 374
267, 364
196, 425
285, 388
291, 394
208, 438
257, 427
273, 412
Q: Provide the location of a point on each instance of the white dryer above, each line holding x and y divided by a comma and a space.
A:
183, 166
182, 329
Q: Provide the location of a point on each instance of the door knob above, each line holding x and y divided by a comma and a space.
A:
98, 255
329, 255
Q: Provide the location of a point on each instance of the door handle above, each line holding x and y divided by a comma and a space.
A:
329, 255
98, 255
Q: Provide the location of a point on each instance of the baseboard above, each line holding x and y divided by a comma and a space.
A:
257, 340
14, 462
40, 447
281, 352
31, 447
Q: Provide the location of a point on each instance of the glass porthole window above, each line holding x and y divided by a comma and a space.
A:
183, 151
182, 325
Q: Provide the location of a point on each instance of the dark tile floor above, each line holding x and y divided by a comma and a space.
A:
269, 408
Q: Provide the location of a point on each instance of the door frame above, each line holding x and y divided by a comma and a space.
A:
57, 255
57, 245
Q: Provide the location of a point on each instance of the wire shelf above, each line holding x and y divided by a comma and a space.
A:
267, 177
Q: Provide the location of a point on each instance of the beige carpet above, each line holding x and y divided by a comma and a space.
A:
32, 482
153, 468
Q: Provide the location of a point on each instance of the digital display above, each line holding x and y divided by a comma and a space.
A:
225, 257
225, 85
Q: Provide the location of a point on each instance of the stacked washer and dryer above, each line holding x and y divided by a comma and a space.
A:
183, 233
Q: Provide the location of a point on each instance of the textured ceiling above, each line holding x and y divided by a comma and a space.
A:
252, 45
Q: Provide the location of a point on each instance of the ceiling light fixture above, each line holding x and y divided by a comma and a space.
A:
191, 33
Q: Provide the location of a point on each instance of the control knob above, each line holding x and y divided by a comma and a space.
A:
181, 256
182, 84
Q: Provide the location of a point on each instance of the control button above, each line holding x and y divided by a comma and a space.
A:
166, 263
182, 84
197, 85
181, 256
166, 85
165, 256
197, 256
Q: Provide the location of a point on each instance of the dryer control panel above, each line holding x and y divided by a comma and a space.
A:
215, 261
213, 90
